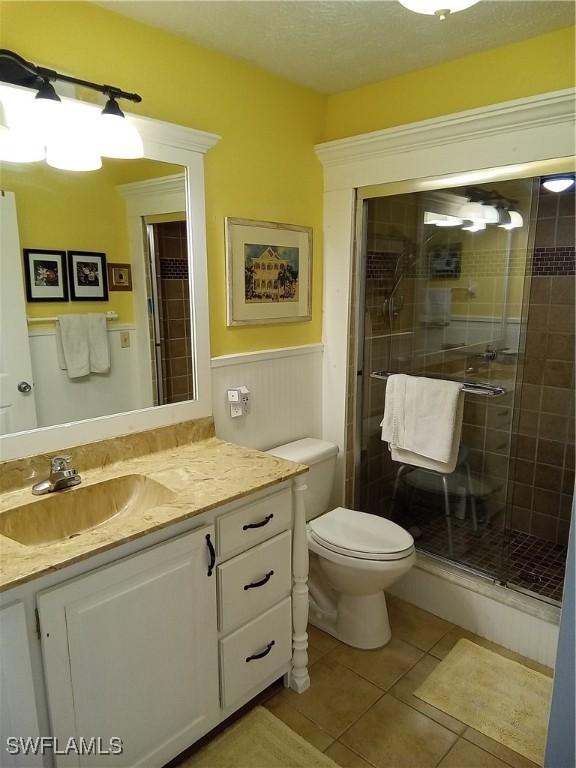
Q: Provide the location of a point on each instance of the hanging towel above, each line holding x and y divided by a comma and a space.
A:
99, 348
72, 338
423, 421
437, 306
82, 344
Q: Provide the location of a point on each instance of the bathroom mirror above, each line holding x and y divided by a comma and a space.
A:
70, 239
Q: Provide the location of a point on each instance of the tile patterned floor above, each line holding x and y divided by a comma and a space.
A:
514, 557
361, 709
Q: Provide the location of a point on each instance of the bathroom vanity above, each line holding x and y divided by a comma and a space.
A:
178, 598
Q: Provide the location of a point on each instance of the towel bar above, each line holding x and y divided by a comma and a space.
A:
488, 390
109, 316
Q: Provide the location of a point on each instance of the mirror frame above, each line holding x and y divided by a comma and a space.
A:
186, 147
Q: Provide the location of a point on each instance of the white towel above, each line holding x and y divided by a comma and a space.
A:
437, 306
423, 421
98, 345
72, 338
82, 344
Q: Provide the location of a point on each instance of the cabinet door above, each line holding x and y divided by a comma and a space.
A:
130, 651
18, 717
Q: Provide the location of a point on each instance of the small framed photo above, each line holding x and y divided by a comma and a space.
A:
445, 260
119, 277
88, 276
45, 275
269, 272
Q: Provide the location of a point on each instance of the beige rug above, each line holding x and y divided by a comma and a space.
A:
497, 696
259, 740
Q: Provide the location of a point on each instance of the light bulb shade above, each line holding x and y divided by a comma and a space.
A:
117, 137
73, 151
491, 215
18, 145
516, 221
559, 184
442, 219
435, 7
473, 212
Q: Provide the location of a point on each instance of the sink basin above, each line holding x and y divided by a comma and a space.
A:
65, 514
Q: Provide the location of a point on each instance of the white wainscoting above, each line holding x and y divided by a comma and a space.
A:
285, 395
519, 622
60, 400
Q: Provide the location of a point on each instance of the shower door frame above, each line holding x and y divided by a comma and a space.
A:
358, 272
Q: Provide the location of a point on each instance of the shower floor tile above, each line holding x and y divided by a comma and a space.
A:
519, 559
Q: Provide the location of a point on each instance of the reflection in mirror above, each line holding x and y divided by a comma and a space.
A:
93, 322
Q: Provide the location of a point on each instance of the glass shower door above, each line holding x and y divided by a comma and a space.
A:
442, 299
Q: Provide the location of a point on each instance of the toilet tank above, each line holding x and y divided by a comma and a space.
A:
320, 456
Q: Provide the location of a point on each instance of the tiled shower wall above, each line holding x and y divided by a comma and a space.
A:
543, 440
174, 300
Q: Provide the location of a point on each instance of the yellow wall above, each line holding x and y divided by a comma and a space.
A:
71, 211
264, 167
527, 68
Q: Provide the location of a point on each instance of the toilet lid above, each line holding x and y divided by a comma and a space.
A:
358, 533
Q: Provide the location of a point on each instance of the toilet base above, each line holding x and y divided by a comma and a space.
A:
360, 621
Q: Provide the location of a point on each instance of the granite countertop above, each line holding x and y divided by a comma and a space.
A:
201, 475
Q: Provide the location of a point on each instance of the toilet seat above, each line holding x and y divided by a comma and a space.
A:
361, 536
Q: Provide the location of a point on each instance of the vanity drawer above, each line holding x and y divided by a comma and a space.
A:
252, 654
253, 523
253, 581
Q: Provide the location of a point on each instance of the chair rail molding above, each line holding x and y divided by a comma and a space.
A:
504, 140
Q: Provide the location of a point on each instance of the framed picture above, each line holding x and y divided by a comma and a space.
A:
445, 260
268, 272
119, 277
88, 276
45, 275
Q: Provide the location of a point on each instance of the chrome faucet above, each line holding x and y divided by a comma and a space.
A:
61, 476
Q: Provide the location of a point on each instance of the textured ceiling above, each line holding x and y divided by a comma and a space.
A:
334, 46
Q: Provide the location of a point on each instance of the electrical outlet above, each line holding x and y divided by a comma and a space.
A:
125, 339
236, 410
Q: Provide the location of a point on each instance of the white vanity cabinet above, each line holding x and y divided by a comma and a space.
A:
131, 651
160, 644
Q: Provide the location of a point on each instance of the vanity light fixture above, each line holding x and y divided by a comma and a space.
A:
473, 211
558, 183
67, 139
439, 8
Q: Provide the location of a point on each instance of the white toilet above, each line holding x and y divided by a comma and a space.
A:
354, 556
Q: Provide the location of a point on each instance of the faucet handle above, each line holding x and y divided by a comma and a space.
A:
60, 463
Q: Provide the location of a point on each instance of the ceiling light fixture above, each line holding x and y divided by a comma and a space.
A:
558, 183
439, 8
70, 143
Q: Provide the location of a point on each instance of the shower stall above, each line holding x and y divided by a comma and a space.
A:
474, 284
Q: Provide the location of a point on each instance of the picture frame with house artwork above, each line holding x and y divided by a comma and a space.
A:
45, 275
268, 272
88, 276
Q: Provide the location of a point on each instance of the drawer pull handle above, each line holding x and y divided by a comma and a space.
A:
263, 653
258, 525
260, 583
212, 554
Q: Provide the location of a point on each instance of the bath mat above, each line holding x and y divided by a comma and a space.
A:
259, 740
497, 696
